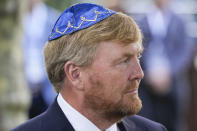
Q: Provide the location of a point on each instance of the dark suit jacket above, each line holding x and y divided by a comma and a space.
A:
54, 120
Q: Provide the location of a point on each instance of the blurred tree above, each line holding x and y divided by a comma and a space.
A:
14, 96
60, 4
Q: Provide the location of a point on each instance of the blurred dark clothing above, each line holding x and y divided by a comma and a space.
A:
192, 112
166, 49
162, 109
38, 105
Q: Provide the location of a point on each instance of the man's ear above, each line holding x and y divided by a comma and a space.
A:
73, 74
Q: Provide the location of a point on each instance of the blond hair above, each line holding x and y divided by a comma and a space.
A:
80, 46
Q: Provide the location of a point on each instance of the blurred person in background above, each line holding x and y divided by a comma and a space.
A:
37, 25
116, 5
166, 58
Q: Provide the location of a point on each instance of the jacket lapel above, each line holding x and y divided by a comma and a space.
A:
121, 126
60, 122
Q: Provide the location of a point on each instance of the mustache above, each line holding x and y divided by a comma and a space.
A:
133, 85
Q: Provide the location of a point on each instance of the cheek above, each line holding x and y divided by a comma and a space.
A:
112, 82
123, 70
115, 86
120, 79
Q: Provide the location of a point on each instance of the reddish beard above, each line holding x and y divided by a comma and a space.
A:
96, 100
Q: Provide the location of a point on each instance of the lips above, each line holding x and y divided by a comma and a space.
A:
133, 91
132, 88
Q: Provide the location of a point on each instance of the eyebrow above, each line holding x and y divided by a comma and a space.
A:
125, 55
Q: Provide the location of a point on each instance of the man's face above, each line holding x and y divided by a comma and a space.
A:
112, 80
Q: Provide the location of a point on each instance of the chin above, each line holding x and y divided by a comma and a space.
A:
133, 106
129, 108
136, 107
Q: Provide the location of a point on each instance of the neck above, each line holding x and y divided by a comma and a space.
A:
97, 117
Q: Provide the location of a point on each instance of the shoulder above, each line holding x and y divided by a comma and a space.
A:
51, 120
142, 124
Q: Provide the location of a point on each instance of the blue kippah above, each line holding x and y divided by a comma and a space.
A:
78, 17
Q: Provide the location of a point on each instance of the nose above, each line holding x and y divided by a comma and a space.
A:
136, 72
141, 72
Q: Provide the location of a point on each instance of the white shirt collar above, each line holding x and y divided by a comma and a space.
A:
77, 120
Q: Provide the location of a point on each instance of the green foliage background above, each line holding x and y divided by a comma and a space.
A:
61, 5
